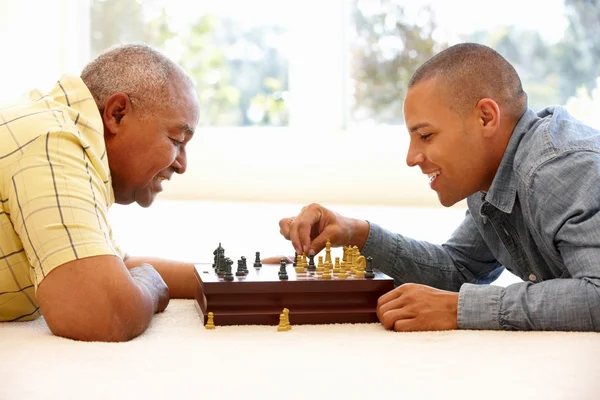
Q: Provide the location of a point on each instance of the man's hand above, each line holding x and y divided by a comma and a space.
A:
311, 228
413, 307
146, 276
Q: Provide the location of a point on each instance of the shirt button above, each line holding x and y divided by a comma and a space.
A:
532, 277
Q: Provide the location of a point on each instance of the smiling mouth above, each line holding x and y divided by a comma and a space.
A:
432, 176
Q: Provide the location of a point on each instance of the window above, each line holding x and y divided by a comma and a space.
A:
553, 44
302, 99
236, 52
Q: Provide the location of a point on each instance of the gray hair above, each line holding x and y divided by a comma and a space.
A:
139, 70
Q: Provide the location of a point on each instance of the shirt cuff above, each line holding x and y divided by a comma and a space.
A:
479, 306
381, 245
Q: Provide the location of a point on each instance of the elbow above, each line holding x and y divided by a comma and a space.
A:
100, 324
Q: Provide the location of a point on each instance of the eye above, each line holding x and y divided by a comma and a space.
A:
425, 136
177, 141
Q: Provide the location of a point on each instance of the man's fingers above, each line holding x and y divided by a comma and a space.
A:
406, 325
319, 242
389, 318
389, 296
393, 304
284, 227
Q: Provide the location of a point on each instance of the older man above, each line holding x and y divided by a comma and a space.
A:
112, 135
533, 193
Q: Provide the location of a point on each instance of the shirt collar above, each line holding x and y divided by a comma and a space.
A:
503, 192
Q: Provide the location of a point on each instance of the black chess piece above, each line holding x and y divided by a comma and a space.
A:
240, 269
295, 264
369, 268
228, 276
257, 263
221, 262
216, 254
244, 265
311, 263
283, 276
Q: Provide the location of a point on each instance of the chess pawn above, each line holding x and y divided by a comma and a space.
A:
311, 263
244, 265
228, 276
257, 262
286, 314
282, 327
336, 267
320, 266
369, 268
240, 269
210, 323
283, 276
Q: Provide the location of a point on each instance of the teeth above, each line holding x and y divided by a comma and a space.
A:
432, 176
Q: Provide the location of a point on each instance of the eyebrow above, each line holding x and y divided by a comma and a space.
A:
418, 126
186, 128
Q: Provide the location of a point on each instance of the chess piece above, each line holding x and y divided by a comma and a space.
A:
320, 265
221, 262
328, 252
283, 276
216, 254
257, 263
360, 262
369, 268
311, 263
240, 269
228, 276
286, 314
336, 267
298, 265
210, 324
244, 265
282, 327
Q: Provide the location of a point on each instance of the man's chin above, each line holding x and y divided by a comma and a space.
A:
145, 198
145, 203
446, 201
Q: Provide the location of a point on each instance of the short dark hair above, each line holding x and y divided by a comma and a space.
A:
469, 72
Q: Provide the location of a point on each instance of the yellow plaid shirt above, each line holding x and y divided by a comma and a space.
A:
55, 190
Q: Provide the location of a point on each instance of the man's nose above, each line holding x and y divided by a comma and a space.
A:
414, 157
180, 163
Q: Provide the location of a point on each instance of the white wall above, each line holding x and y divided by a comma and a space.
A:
357, 167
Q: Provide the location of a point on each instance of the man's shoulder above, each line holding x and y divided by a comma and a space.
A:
554, 134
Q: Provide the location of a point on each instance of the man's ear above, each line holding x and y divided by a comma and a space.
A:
489, 116
116, 107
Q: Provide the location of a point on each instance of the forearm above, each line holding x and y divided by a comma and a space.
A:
408, 260
179, 276
557, 304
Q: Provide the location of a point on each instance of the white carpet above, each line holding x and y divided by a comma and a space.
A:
177, 358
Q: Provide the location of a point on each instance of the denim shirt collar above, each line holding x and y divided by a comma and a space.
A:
503, 192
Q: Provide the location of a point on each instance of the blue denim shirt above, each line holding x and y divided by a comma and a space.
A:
540, 220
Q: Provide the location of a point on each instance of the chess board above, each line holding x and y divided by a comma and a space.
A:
259, 297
